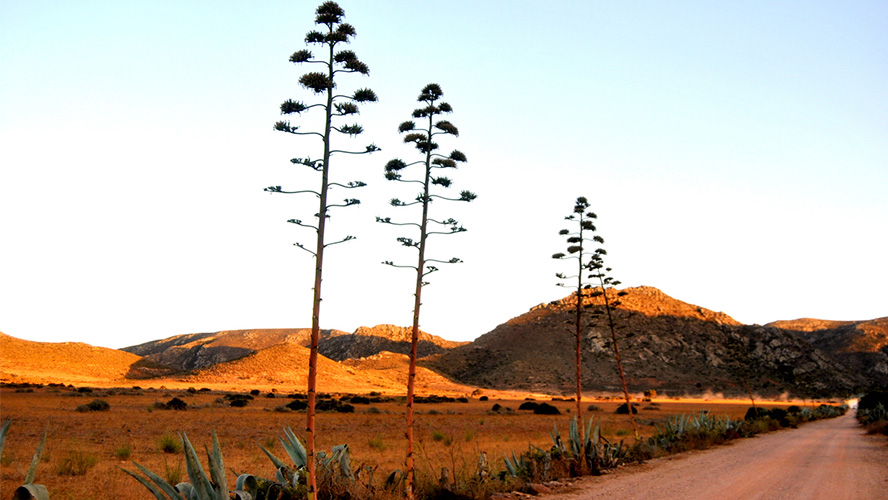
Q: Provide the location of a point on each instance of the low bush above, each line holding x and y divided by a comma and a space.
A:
623, 409
546, 409
76, 463
169, 443
94, 405
176, 404
528, 405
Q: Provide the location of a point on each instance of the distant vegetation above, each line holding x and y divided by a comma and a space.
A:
872, 412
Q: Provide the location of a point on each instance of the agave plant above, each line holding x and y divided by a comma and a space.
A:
29, 490
202, 486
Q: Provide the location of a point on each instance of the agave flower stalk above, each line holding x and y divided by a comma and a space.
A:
576, 250
423, 138
329, 16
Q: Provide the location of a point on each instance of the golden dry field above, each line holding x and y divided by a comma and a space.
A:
450, 434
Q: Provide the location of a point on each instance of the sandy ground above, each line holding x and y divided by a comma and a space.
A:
830, 459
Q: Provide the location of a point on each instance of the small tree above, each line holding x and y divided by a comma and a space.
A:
576, 251
334, 32
605, 283
423, 138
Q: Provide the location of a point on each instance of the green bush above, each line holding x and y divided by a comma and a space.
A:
170, 444
94, 405
123, 452
76, 463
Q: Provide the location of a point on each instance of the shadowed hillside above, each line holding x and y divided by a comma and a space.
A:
677, 348
370, 341
862, 346
201, 350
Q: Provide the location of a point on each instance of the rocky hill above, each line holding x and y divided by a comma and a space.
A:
366, 342
669, 345
862, 346
202, 350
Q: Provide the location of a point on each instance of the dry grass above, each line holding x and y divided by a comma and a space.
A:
450, 434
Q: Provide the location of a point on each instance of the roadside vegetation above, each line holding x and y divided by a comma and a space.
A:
462, 443
872, 412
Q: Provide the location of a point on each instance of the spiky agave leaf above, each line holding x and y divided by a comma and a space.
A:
217, 466
35, 460
196, 472
294, 448
162, 484
4, 430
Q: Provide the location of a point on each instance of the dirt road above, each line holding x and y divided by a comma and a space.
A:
830, 459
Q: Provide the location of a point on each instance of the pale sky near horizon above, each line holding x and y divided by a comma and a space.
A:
736, 155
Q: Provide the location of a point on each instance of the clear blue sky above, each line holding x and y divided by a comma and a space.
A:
735, 153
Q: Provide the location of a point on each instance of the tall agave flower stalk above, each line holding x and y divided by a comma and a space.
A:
576, 239
333, 32
423, 138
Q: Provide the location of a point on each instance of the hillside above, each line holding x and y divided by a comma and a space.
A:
370, 341
283, 366
862, 346
69, 362
202, 350
675, 347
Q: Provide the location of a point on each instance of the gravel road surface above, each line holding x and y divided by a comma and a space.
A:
830, 459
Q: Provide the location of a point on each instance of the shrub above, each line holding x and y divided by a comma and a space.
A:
94, 405
170, 444
756, 413
359, 400
239, 403
528, 405
496, 407
546, 409
84, 390
483, 398
794, 410
623, 409
270, 395
123, 452
593, 408
76, 463
254, 392
297, 405
176, 404
377, 444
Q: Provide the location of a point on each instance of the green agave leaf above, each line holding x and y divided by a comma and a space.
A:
187, 490
196, 472
274, 459
29, 491
4, 429
294, 448
35, 460
159, 481
246, 482
217, 468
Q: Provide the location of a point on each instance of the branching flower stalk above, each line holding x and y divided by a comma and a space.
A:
333, 32
576, 250
599, 272
423, 138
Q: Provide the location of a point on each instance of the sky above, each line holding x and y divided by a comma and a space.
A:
736, 155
